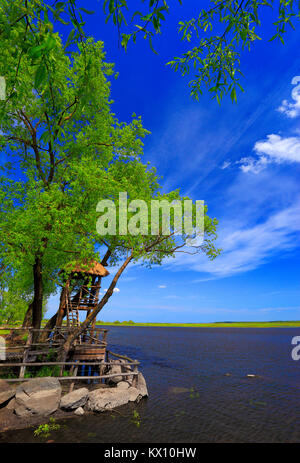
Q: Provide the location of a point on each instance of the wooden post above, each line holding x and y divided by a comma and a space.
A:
135, 377
26, 350
101, 368
73, 382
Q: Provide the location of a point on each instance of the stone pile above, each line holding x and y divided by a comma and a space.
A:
43, 396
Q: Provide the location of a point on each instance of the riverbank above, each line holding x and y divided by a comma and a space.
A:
279, 324
38, 400
9, 421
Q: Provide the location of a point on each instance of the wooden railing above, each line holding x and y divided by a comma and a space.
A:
53, 344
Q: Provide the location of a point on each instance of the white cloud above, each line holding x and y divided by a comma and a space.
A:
279, 149
225, 165
116, 290
245, 248
278, 309
275, 149
292, 110
250, 164
161, 286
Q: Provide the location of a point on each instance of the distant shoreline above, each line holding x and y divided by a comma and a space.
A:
283, 324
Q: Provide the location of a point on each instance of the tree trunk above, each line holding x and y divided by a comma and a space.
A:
62, 303
27, 322
50, 325
37, 303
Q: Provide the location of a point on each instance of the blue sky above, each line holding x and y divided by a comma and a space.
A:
241, 159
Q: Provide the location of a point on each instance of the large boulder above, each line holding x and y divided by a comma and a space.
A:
38, 396
109, 398
74, 399
6, 391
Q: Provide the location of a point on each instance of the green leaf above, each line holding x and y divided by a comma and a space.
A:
59, 5
36, 52
243, 34
40, 75
50, 43
70, 38
233, 95
87, 11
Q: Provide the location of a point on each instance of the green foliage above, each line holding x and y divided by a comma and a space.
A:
46, 371
12, 306
57, 127
194, 393
8, 373
63, 137
136, 419
44, 430
215, 36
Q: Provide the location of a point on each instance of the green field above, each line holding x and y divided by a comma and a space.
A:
276, 324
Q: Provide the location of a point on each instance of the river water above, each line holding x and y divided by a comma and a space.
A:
198, 389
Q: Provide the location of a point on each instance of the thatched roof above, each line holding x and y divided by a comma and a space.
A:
92, 268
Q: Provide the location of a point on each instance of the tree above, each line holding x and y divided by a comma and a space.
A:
67, 151
138, 243
70, 152
13, 306
60, 136
215, 36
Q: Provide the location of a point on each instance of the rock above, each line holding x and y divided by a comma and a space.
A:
107, 399
133, 394
141, 385
117, 366
6, 391
114, 368
74, 399
79, 411
123, 385
38, 396
11, 404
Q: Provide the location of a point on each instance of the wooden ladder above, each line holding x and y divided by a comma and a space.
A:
72, 314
